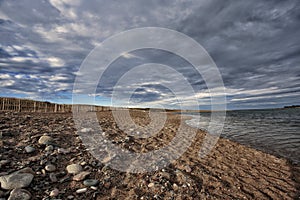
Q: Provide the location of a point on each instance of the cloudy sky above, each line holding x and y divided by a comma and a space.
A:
255, 45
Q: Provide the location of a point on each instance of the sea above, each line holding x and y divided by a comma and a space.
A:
274, 131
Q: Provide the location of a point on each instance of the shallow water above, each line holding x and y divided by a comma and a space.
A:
272, 131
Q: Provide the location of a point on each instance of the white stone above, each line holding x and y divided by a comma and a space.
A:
74, 169
45, 139
82, 190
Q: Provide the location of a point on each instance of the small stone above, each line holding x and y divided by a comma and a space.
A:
85, 130
90, 182
187, 169
45, 140
83, 163
54, 193
53, 177
94, 188
175, 187
81, 176
29, 149
70, 197
49, 148
74, 169
50, 168
19, 194
82, 190
63, 151
15, 180
151, 185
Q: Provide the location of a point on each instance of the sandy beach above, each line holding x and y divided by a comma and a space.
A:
230, 171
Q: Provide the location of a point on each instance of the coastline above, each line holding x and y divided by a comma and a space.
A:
230, 171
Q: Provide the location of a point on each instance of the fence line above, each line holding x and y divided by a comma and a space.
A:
26, 105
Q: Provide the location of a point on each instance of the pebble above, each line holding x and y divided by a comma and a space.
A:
29, 149
63, 151
85, 130
15, 180
175, 187
19, 194
74, 169
90, 182
45, 139
50, 168
83, 163
94, 188
54, 193
70, 197
53, 177
49, 148
187, 169
82, 190
81, 176
151, 185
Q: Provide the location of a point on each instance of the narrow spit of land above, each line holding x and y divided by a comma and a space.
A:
58, 166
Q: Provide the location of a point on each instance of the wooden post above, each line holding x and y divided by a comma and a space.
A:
19, 105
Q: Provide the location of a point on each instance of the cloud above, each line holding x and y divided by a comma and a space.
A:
255, 45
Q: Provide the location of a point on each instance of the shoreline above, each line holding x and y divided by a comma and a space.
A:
291, 156
231, 170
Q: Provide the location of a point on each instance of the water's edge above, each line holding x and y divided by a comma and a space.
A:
275, 132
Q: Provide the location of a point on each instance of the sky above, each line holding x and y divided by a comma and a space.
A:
255, 45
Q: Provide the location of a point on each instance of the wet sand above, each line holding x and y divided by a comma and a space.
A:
230, 171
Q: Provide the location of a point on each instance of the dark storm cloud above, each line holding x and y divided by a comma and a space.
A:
255, 45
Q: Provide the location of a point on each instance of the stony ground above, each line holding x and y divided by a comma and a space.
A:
42, 157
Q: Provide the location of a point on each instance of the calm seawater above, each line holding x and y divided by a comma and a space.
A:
272, 131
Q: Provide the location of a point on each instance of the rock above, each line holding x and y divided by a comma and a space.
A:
175, 187
53, 177
54, 193
81, 176
45, 140
94, 188
26, 170
90, 182
74, 169
70, 197
29, 149
187, 169
85, 130
63, 151
16, 180
82, 190
19, 194
83, 163
49, 148
50, 168
151, 185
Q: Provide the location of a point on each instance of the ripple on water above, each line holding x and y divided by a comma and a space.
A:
273, 131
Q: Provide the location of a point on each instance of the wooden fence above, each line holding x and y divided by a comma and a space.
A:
26, 105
